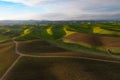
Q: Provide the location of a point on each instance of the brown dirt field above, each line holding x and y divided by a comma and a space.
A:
94, 40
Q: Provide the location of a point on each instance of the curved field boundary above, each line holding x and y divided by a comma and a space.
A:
26, 55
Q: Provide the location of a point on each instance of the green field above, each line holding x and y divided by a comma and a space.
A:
55, 33
94, 40
63, 69
7, 56
4, 38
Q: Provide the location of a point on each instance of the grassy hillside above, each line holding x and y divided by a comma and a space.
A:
95, 37
96, 42
4, 38
61, 39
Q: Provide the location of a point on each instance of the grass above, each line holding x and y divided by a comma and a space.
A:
60, 68
80, 43
38, 47
7, 56
4, 38
115, 50
99, 30
68, 32
43, 48
63, 69
91, 42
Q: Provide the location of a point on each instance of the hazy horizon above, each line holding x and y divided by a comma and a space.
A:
59, 10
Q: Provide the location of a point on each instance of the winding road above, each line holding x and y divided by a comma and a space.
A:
27, 55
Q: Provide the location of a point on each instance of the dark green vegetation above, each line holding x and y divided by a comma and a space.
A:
76, 39
7, 56
55, 32
63, 69
4, 38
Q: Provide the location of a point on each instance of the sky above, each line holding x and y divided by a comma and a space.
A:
59, 9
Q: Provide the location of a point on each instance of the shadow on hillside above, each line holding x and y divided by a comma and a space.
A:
39, 47
102, 70
96, 41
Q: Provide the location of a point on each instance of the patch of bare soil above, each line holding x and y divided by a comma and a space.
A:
94, 39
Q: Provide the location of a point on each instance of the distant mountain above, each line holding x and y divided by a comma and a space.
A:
33, 22
14, 22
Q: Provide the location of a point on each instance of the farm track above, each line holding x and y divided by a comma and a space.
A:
27, 55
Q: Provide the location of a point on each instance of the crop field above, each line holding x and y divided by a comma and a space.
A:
92, 41
60, 51
7, 56
63, 69
43, 48
38, 46
93, 38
